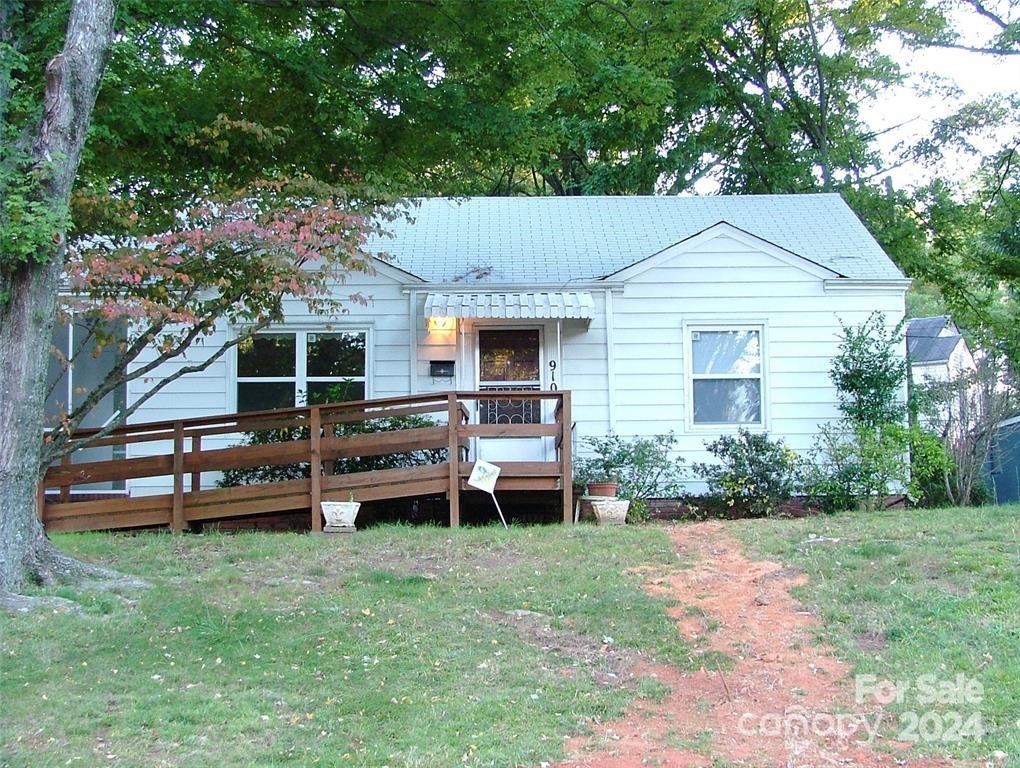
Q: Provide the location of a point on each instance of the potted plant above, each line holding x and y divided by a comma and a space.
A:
604, 486
599, 472
341, 514
635, 469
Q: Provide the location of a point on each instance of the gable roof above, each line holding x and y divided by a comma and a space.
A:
925, 351
928, 327
931, 339
724, 228
558, 240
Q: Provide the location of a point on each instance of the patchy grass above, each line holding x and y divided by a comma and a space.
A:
904, 594
418, 646
381, 649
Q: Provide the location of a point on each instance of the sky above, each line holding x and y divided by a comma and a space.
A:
911, 108
912, 105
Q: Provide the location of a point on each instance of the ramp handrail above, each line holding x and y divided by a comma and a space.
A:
187, 457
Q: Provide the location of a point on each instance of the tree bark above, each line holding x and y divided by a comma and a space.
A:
26, 318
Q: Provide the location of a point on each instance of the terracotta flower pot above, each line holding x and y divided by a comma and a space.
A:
603, 489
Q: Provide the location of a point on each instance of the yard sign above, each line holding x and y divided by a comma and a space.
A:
483, 477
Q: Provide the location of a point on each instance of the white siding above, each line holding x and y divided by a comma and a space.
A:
584, 370
435, 345
729, 281
718, 279
383, 311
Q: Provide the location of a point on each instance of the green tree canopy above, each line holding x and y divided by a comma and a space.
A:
400, 97
475, 97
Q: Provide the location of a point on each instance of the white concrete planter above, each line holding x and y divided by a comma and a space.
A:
340, 514
610, 511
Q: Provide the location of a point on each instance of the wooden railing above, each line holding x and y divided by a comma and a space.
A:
186, 454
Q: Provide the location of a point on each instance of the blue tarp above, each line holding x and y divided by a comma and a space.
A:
1004, 463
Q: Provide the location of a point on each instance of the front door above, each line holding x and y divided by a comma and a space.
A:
510, 359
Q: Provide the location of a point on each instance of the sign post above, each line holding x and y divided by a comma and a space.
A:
483, 477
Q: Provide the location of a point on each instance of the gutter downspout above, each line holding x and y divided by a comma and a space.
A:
412, 342
610, 362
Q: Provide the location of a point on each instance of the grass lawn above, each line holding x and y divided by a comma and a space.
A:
922, 592
398, 647
383, 649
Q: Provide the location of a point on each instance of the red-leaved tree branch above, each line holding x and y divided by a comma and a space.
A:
232, 260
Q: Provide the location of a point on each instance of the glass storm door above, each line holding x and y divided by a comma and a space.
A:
510, 359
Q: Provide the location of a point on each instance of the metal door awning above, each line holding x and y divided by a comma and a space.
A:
511, 305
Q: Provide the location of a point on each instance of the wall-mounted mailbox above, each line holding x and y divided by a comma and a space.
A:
441, 369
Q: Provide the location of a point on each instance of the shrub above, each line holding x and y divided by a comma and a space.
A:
963, 412
638, 511
754, 475
930, 465
641, 465
342, 466
869, 373
856, 467
856, 462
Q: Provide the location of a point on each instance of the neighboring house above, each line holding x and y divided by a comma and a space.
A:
1004, 462
936, 349
939, 354
694, 314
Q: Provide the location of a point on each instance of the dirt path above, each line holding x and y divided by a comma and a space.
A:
749, 713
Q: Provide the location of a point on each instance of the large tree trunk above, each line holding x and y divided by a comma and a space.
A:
26, 318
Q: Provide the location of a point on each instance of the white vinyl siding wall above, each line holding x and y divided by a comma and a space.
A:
724, 281
382, 312
716, 280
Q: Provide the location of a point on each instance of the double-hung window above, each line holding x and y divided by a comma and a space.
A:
726, 375
282, 370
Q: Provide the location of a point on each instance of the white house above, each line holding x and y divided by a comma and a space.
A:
936, 349
939, 355
693, 314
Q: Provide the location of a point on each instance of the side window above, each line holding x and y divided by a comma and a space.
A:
726, 375
267, 372
283, 370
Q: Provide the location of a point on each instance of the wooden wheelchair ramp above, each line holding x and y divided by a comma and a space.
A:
312, 441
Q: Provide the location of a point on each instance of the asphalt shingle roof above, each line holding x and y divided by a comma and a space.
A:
929, 327
557, 240
925, 345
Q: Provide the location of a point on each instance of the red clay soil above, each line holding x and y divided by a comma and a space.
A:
753, 711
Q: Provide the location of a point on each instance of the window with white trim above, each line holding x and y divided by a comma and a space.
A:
726, 375
282, 370
78, 365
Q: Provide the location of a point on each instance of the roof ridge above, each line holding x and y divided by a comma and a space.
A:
554, 240
581, 198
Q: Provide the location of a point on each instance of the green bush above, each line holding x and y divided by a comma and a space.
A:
929, 464
342, 466
858, 461
856, 467
754, 476
641, 465
638, 511
869, 373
